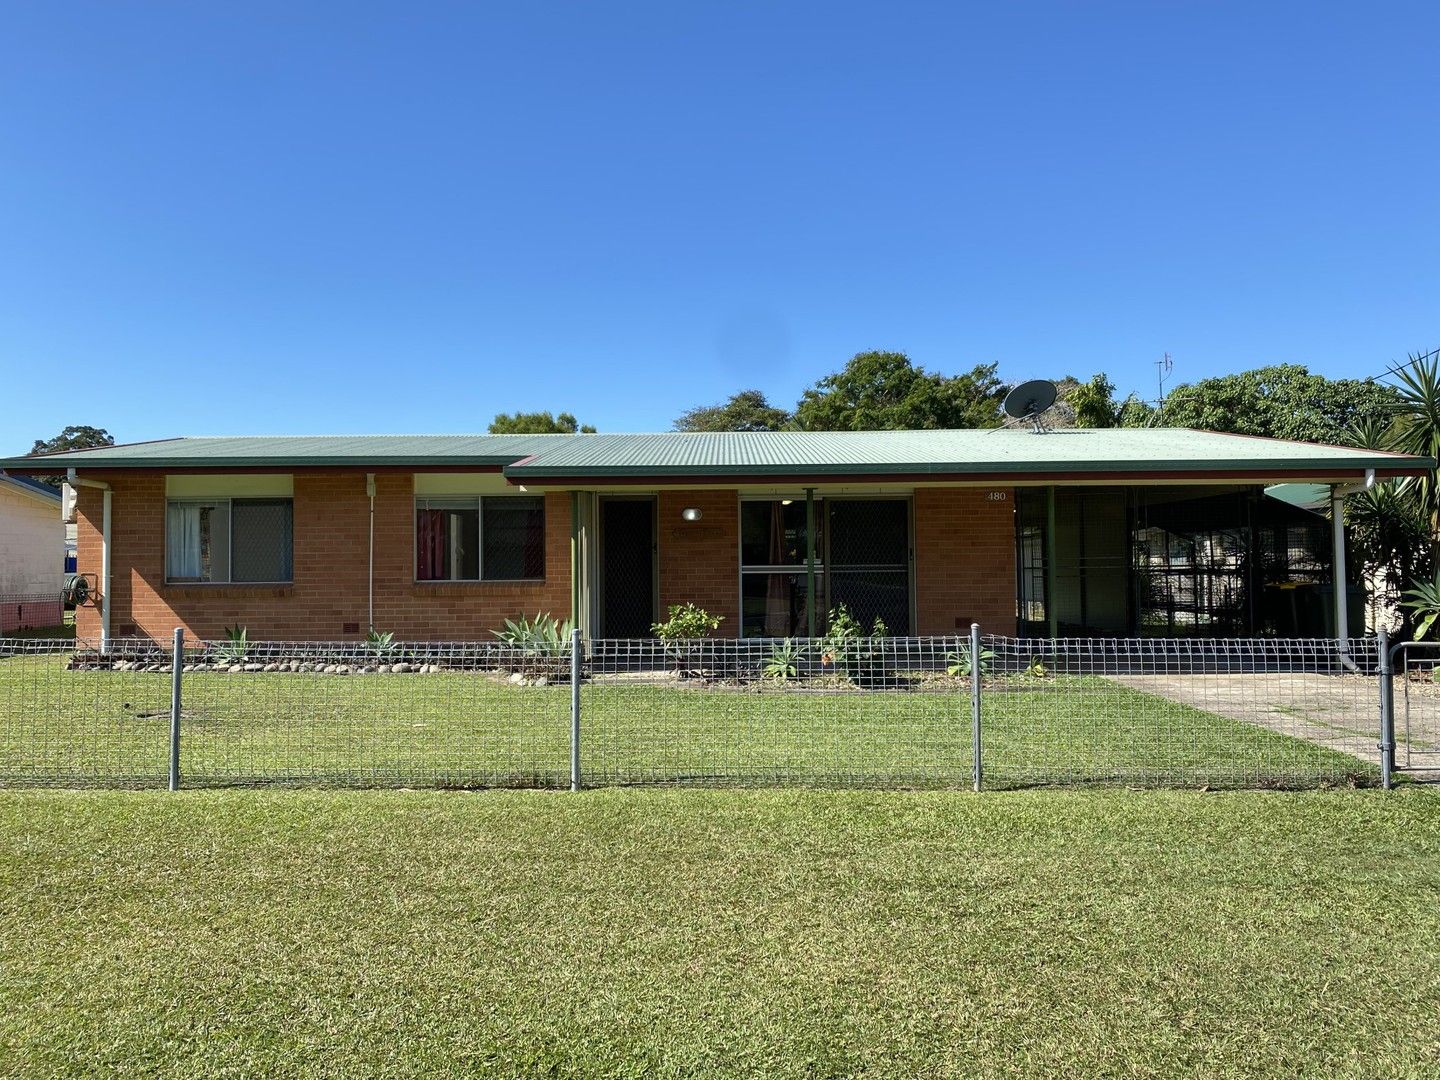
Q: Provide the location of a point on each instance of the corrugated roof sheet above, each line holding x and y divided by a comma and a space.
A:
817, 453
919, 452
237, 451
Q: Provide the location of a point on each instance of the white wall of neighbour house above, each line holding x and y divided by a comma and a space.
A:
32, 544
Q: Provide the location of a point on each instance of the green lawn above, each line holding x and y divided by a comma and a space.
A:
719, 933
471, 730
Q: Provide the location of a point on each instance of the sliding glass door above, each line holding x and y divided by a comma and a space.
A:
862, 560
774, 581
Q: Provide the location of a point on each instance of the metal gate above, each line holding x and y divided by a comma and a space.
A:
1417, 729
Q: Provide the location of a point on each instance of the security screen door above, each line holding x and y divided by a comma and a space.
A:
627, 567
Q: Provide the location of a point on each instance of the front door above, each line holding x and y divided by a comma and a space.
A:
627, 567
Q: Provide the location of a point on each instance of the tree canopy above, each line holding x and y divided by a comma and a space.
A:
746, 411
537, 423
1283, 401
75, 437
888, 391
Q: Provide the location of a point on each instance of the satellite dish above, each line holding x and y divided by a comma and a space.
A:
1028, 400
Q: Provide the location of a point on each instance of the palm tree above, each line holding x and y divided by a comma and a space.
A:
1417, 428
1406, 519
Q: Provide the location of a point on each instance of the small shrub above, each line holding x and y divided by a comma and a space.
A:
840, 647
686, 621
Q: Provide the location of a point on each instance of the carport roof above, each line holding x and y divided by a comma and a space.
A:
824, 455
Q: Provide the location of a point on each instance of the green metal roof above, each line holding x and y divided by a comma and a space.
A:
244, 451
1304, 496
755, 454
990, 451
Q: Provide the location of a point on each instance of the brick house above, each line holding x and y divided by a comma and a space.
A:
1150, 531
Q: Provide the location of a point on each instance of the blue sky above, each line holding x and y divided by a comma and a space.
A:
406, 217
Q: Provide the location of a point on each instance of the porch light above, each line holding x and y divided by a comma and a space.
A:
786, 502
691, 513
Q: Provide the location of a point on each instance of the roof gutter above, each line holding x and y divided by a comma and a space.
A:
75, 481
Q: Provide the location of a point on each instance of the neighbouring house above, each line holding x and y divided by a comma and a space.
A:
32, 554
1076, 532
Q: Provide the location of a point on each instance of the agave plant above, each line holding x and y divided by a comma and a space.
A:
959, 665
544, 637
783, 663
380, 645
236, 646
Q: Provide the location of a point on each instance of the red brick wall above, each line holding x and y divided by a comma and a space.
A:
964, 565
700, 560
330, 558
964, 560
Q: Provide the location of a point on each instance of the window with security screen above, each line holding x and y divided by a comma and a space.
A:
221, 541
469, 538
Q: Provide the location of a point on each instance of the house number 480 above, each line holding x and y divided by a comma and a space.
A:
997, 496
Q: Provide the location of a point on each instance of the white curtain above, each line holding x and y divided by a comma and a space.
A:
182, 541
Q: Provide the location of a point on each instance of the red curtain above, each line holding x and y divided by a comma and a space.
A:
433, 544
777, 587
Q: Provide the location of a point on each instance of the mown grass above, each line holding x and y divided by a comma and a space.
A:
719, 934
472, 730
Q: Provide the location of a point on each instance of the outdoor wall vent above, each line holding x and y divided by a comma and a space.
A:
351, 628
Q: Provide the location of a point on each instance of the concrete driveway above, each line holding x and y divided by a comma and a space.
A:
1339, 712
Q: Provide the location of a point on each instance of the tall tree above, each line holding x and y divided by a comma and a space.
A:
887, 391
74, 437
537, 423
1087, 404
746, 411
1283, 401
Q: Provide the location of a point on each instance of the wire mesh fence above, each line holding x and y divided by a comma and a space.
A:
861, 711
63, 724
1266, 712
1417, 708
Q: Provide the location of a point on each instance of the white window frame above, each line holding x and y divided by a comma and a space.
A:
228, 502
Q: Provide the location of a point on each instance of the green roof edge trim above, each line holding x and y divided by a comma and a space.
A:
1321, 465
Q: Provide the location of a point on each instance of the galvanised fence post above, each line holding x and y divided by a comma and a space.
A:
177, 664
1387, 710
575, 709
975, 701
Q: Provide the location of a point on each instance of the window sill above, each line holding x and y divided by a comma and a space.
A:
426, 587
226, 588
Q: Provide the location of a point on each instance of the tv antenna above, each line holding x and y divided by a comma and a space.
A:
1028, 401
1163, 369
